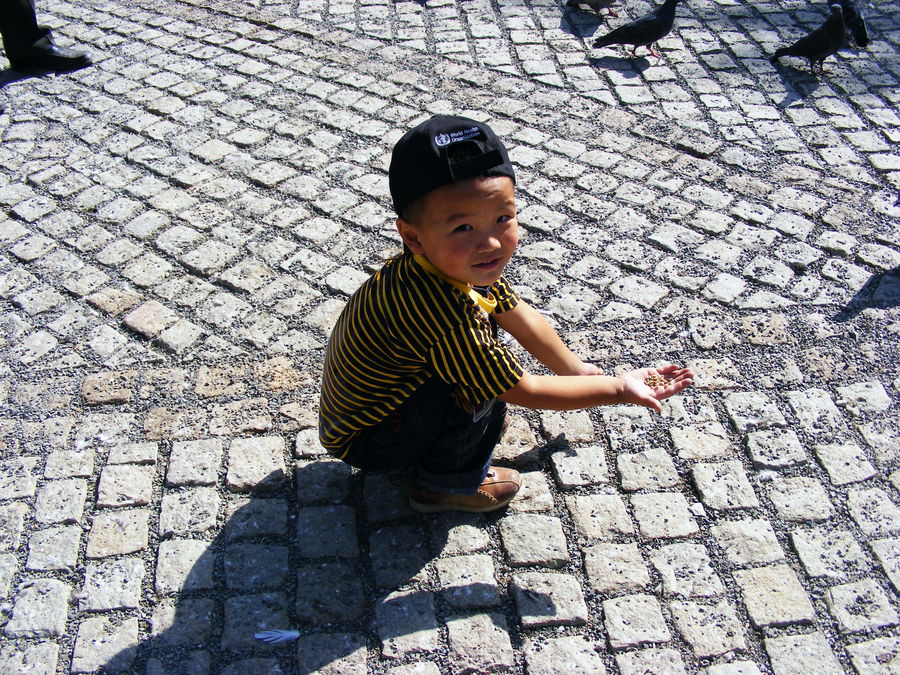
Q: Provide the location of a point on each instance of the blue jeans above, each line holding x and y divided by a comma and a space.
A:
448, 449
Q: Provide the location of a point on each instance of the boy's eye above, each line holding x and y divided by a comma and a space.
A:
504, 219
462, 228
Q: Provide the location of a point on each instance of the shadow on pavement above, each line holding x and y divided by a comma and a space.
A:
798, 84
881, 291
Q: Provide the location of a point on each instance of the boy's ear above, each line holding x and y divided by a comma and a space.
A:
410, 236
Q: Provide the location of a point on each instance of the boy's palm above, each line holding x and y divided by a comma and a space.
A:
636, 391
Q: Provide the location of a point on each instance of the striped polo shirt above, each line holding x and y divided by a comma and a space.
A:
404, 325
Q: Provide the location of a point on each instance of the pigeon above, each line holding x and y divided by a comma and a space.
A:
853, 20
595, 5
820, 43
643, 31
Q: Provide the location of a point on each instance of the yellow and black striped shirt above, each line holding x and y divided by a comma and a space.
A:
404, 325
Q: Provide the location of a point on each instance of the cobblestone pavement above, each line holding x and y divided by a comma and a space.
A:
182, 222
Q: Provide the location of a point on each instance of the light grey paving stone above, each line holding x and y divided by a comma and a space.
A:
255, 566
884, 439
602, 517
12, 521
190, 510
663, 515
326, 481
572, 654
254, 517
55, 548
534, 539
651, 469
533, 495
126, 485
468, 581
246, 615
775, 449
327, 531
18, 478
69, 464
773, 596
194, 462
9, 565
182, 622
634, 620
733, 668
104, 642
457, 533
118, 533
724, 485
864, 397
573, 426
329, 653
518, 445
238, 417
626, 426
399, 554
860, 606
887, 551
38, 659
874, 512
706, 440
256, 463
845, 462
329, 592
686, 571
800, 499
832, 554
753, 410
479, 643
616, 569
806, 654
816, 411
306, 444
406, 623
580, 467
748, 541
133, 453
873, 656
111, 584
710, 630
40, 609
184, 565
548, 599
657, 661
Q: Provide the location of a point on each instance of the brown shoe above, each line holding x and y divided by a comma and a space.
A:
496, 491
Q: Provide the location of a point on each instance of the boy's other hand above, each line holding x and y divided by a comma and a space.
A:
587, 369
645, 386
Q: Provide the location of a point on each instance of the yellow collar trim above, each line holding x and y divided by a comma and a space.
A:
488, 304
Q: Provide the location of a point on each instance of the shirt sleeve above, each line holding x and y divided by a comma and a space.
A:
504, 294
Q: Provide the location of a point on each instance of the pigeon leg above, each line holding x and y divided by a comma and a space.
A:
611, 13
653, 53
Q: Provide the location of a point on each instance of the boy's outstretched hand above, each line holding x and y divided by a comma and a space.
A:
649, 386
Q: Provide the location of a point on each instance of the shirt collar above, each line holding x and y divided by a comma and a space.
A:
488, 304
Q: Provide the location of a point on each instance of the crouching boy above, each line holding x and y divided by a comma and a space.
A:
414, 374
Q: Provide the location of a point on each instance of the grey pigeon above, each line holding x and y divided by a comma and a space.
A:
643, 31
820, 43
595, 5
855, 23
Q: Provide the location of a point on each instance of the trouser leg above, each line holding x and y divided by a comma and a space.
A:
18, 26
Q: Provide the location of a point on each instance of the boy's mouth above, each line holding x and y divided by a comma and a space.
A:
488, 264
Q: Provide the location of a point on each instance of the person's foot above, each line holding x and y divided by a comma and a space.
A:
496, 491
44, 55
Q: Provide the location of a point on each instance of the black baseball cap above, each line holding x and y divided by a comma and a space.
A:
440, 151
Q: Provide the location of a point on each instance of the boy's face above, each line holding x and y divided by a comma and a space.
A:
467, 229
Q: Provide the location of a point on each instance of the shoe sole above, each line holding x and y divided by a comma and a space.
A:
440, 508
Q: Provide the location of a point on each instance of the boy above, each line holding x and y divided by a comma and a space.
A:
414, 374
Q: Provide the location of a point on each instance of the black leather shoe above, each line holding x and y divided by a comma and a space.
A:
44, 55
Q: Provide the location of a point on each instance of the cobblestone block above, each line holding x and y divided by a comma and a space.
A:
810, 652
256, 463
773, 596
255, 566
8, 567
246, 416
870, 656
884, 439
834, 555
246, 615
845, 463
105, 642
329, 592
327, 531
17, 477
61, 501
707, 440
602, 517
651, 469
580, 655
775, 449
150, 319
254, 517
663, 515
184, 565
634, 620
186, 622
133, 453
686, 571
518, 445
748, 541
626, 426
547, 599
724, 485
579, 467
667, 661
710, 630
534, 494
887, 551
192, 510
322, 481
479, 643
386, 497
111, 584
816, 411
126, 485
406, 623
615, 568
55, 548
12, 520
860, 606
194, 462
40, 609
800, 499
534, 539
874, 512
320, 652
163, 423
749, 411
864, 397
574, 427
39, 659
461, 533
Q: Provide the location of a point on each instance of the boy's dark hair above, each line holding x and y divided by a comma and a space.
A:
440, 151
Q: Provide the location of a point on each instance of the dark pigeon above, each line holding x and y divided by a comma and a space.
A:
643, 31
595, 5
820, 43
853, 20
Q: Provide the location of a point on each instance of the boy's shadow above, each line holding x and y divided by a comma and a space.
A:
336, 557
